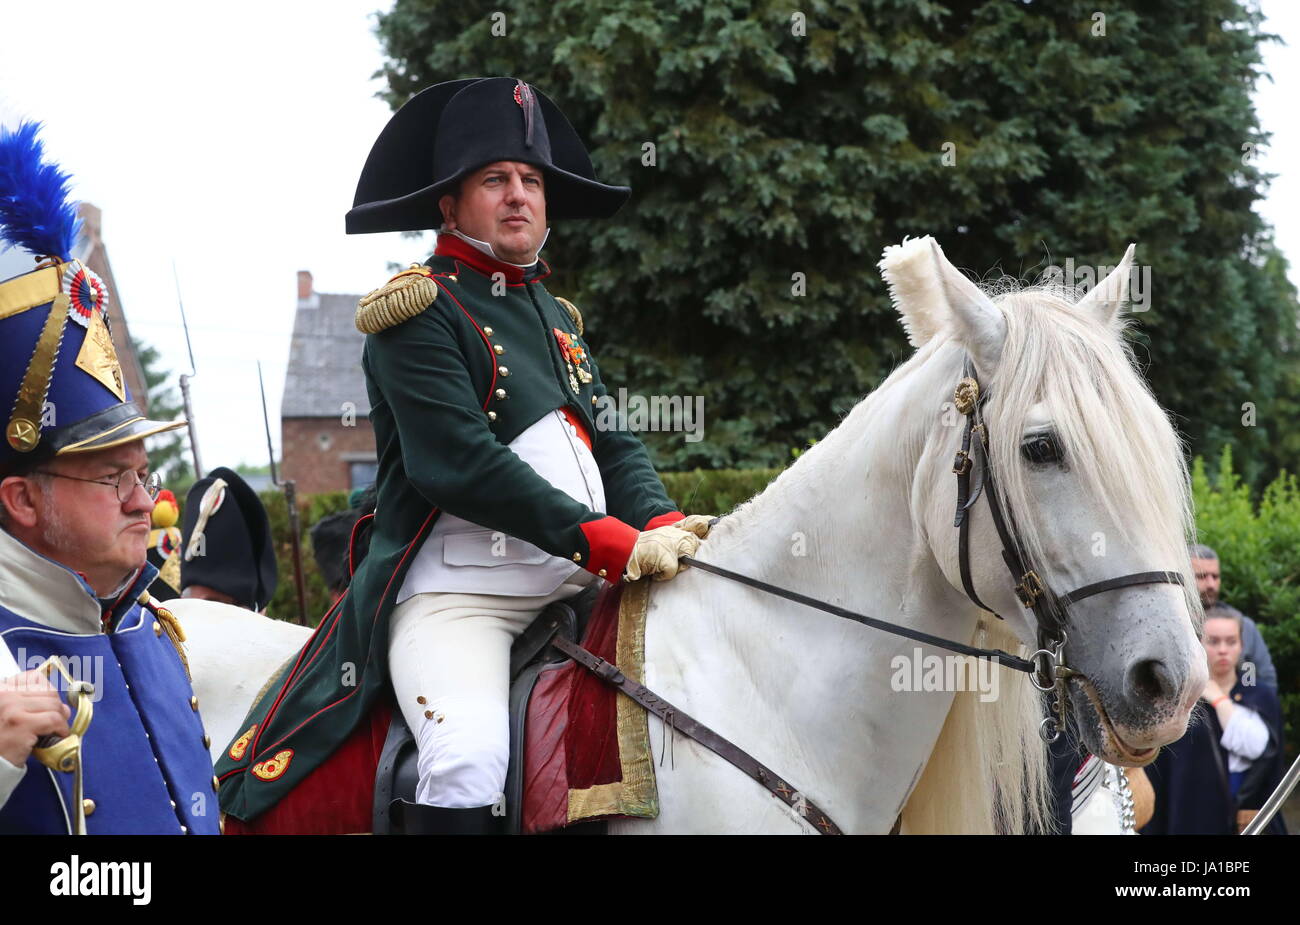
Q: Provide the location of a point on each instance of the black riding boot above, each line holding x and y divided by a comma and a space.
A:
419, 819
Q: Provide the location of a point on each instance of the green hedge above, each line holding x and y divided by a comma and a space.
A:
1258, 542
284, 604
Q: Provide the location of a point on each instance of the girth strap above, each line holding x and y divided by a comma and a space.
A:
688, 725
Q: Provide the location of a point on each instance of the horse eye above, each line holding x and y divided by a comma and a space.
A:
1041, 449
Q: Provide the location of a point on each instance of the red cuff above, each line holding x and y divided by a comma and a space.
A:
610, 543
663, 520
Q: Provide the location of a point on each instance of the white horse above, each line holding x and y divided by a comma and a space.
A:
232, 653
865, 520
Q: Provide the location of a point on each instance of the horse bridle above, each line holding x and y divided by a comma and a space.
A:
1050, 671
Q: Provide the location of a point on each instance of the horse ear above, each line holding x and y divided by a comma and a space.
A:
913, 279
978, 322
1105, 299
931, 294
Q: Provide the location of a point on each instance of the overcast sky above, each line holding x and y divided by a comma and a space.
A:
228, 138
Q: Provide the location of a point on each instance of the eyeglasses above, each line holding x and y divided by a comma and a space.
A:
126, 482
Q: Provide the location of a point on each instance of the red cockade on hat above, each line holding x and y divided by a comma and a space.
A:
87, 294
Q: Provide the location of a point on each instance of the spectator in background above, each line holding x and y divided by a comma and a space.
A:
340, 541
1205, 565
228, 552
1214, 780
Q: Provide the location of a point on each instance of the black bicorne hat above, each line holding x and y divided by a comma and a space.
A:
452, 129
226, 540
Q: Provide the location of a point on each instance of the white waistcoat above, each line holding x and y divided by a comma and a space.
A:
463, 557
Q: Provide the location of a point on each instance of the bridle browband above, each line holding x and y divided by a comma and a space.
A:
1049, 609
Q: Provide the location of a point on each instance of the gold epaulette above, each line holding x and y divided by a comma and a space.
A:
401, 298
168, 623
573, 312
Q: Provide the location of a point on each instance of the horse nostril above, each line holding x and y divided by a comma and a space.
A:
1151, 681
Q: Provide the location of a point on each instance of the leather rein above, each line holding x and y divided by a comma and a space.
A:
1046, 666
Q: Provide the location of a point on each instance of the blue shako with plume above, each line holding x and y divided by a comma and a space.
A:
61, 385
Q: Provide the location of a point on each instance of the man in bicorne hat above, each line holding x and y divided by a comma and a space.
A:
497, 493
75, 502
227, 552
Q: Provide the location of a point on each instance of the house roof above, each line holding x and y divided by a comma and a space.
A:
325, 359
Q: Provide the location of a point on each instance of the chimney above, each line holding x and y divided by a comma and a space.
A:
307, 297
91, 222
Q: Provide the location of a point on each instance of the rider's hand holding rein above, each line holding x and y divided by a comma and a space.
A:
657, 552
699, 524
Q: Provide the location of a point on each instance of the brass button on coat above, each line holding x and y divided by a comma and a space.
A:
157, 628
498, 349
88, 806
492, 415
194, 704
503, 371
487, 331
577, 557
501, 395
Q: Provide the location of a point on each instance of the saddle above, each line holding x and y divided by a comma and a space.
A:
531, 655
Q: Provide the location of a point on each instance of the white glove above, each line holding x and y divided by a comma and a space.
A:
699, 524
656, 552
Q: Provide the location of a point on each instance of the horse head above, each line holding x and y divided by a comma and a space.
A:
1093, 481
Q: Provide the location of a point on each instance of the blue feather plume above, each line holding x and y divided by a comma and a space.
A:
34, 209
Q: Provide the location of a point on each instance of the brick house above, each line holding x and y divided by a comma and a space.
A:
326, 441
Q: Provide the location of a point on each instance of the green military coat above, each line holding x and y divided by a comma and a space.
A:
461, 356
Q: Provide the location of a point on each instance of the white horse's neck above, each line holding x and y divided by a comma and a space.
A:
805, 692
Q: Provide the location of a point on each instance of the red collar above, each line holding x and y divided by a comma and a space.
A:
451, 246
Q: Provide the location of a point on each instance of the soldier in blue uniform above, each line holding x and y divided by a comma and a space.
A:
76, 497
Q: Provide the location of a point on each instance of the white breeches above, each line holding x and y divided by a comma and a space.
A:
449, 656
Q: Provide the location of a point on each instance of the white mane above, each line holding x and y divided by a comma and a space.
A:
1113, 434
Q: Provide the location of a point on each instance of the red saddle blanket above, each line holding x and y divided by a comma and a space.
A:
586, 746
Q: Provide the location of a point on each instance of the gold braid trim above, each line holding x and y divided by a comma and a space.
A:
401, 298
171, 626
573, 312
